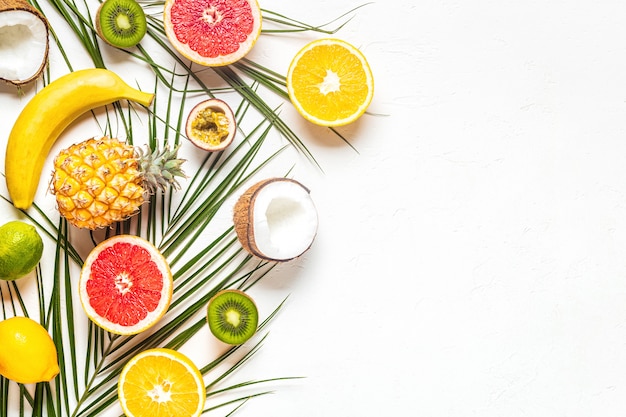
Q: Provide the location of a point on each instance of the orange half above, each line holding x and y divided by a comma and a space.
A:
161, 383
330, 82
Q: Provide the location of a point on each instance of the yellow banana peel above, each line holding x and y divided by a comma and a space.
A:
48, 114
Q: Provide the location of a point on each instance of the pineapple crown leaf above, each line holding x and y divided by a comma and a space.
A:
160, 167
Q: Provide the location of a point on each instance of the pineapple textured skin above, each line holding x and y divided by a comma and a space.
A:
97, 182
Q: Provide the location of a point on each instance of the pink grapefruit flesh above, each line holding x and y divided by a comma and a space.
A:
125, 285
212, 32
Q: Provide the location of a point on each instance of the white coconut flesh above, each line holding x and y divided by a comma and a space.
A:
23, 45
284, 219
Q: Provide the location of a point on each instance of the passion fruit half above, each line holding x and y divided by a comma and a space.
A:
211, 125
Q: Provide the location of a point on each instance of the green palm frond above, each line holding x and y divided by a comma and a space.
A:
177, 223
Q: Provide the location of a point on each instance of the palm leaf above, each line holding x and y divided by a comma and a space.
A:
175, 223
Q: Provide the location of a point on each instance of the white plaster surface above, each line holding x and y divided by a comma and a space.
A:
471, 256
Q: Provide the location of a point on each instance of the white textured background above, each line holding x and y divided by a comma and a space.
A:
470, 258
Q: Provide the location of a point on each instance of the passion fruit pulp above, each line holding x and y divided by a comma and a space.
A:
211, 125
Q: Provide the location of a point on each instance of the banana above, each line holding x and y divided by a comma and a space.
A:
46, 116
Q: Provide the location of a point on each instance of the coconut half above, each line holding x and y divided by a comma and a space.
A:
23, 42
211, 125
276, 219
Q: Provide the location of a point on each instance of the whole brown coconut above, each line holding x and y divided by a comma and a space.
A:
276, 219
24, 42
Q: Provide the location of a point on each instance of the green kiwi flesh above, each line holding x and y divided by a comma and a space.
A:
121, 23
232, 316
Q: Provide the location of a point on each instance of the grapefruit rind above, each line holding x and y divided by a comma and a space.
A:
166, 292
221, 60
169, 354
308, 113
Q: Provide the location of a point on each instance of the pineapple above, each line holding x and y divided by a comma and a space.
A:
101, 181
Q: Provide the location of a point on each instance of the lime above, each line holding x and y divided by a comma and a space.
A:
28, 354
21, 248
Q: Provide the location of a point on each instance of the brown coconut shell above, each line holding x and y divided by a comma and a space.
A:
12, 5
243, 217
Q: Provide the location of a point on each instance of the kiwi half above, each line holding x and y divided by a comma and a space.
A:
232, 316
121, 23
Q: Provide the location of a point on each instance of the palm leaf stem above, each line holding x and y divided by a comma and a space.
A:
62, 394
239, 401
210, 166
106, 386
88, 387
82, 27
298, 26
184, 223
52, 234
249, 94
4, 396
194, 262
20, 300
69, 310
274, 82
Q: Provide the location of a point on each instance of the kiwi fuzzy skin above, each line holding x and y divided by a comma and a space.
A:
254, 314
126, 42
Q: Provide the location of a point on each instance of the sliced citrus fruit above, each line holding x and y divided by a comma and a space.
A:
212, 32
330, 82
161, 383
125, 285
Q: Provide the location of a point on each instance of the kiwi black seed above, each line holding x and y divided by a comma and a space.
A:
232, 316
121, 23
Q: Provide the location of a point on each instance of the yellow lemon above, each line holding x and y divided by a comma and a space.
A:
21, 248
27, 352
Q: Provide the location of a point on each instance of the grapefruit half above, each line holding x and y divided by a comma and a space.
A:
212, 32
125, 285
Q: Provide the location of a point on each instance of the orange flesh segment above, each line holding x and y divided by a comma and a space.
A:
158, 386
332, 63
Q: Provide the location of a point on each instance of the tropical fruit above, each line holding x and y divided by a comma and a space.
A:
101, 181
212, 32
121, 23
330, 82
28, 354
46, 116
21, 248
232, 316
161, 383
23, 42
211, 125
125, 285
276, 219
